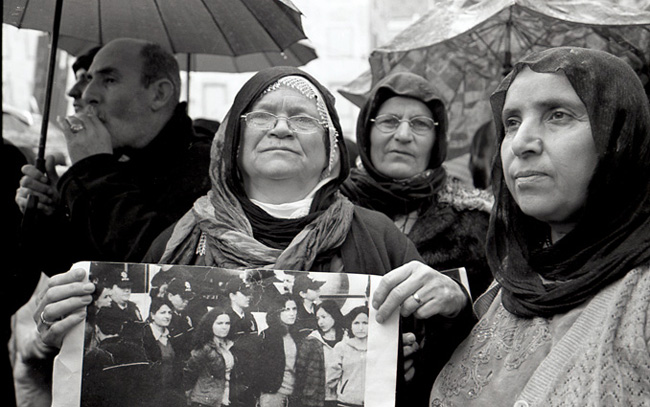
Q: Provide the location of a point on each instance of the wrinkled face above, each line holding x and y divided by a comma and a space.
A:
115, 90
240, 299
77, 90
289, 313
548, 152
162, 317
401, 153
360, 326
178, 301
120, 294
104, 299
282, 154
325, 320
221, 326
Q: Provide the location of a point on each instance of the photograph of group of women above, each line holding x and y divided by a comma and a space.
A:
206, 336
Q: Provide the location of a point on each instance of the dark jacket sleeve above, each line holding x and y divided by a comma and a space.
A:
270, 370
115, 211
310, 374
203, 359
374, 244
157, 248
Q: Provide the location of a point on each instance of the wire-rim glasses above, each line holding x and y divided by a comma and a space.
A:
267, 121
388, 123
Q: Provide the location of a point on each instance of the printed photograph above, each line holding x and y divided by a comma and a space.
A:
159, 335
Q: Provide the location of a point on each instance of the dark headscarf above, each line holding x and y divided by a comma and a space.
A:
367, 186
613, 233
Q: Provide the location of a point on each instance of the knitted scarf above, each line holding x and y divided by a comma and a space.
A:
371, 189
223, 228
613, 234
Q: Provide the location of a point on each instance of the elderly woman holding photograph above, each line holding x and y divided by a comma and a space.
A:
569, 242
278, 160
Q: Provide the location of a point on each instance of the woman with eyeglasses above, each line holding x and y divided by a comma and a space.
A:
402, 140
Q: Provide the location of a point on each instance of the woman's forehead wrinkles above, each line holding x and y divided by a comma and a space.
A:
292, 101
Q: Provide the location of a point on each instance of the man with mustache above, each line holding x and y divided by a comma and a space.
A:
137, 164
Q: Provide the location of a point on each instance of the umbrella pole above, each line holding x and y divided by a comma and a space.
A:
187, 78
40, 160
32, 201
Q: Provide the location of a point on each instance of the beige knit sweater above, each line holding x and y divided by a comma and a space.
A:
595, 355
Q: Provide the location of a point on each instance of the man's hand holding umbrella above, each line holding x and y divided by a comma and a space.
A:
42, 185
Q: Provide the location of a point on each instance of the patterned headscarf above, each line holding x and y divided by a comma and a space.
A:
613, 234
308, 90
225, 229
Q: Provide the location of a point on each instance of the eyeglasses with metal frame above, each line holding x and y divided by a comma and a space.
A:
267, 121
388, 123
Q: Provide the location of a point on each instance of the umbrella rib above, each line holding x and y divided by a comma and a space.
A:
262, 25
162, 22
22, 16
487, 46
266, 29
232, 51
99, 22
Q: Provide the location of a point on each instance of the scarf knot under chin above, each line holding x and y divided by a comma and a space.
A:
394, 197
225, 237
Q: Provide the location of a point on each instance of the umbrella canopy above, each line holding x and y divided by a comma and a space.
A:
465, 50
297, 54
268, 33
221, 27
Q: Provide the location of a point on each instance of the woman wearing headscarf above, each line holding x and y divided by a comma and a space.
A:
569, 242
402, 139
278, 160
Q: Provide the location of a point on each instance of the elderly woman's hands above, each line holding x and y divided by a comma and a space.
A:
418, 289
62, 306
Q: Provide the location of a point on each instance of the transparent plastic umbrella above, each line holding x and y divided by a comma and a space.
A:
465, 47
